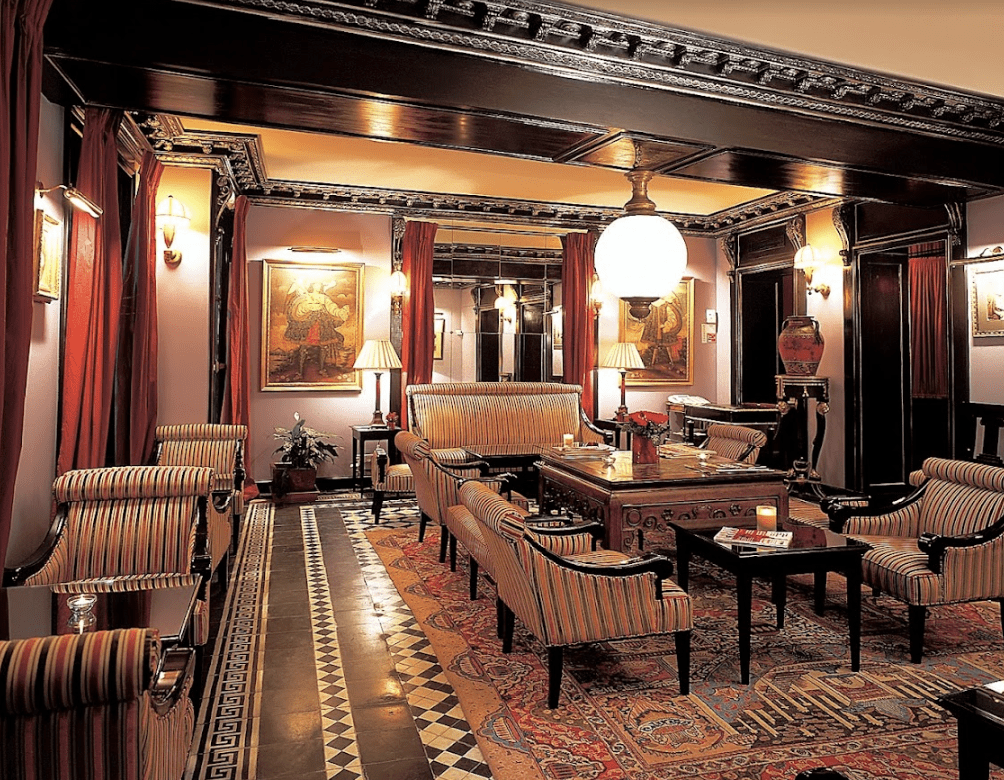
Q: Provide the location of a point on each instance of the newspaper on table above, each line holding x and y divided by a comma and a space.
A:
753, 537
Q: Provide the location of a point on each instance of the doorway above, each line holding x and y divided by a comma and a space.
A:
766, 299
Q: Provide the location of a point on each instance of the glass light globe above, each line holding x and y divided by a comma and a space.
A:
640, 255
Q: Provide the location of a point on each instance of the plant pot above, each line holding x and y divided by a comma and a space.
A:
643, 450
291, 484
800, 346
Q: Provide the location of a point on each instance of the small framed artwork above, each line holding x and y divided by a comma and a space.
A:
988, 302
557, 329
48, 257
664, 339
312, 325
438, 331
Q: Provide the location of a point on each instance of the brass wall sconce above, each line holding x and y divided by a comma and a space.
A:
596, 294
171, 214
807, 260
77, 199
398, 289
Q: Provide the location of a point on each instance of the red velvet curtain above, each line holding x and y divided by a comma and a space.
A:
237, 398
578, 315
136, 369
21, 24
929, 320
418, 246
93, 297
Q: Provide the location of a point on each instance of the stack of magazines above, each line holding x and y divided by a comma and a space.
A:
753, 537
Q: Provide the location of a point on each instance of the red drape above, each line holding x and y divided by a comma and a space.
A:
237, 398
418, 246
929, 321
578, 315
21, 24
94, 293
136, 369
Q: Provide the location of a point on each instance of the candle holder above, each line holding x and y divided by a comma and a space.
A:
766, 518
81, 611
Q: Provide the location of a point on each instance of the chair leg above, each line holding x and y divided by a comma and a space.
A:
917, 615
683, 660
508, 627
453, 553
555, 657
421, 526
1001, 602
444, 538
499, 617
377, 505
474, 579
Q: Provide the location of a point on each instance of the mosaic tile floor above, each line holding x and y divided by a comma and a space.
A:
320, 670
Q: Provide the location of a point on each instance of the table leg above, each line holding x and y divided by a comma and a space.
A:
973, 761
355, 463
744, 587
780, 598
819, 591
682, 561
854, 612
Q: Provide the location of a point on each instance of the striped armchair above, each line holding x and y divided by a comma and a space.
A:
572, 599
736, 442
104, 704
386, 477
221, 448
942, 544
126, 522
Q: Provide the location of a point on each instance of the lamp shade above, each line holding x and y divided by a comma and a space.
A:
640, 256
171, 211
806, 257
377, 355
624, 355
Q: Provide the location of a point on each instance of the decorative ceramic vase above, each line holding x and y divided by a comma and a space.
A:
643, 450
800, 345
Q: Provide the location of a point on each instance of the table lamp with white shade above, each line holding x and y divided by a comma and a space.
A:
378, 356
623, 356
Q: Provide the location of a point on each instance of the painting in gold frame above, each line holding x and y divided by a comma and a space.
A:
988, 302
664, 339
312, 325
48, 257
438, 331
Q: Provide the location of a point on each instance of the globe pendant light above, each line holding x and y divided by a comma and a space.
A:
640, 257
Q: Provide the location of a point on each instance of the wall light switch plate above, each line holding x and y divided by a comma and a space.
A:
710, 316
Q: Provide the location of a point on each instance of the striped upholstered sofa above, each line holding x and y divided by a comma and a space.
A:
452, 415
128, 522
103, 705
943, 544
573, 599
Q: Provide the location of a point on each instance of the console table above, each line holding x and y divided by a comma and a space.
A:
793, 394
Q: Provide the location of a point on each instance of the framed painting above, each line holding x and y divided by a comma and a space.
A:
312, 325
664, 339
48, 257
438, 331
988, 302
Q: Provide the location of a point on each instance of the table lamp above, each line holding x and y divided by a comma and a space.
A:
623, 356
377, 356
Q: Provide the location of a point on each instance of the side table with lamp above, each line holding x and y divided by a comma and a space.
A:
377, 355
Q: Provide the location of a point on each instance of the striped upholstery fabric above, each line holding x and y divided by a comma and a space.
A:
397, 478
78, 706
219, 447
902, 522
731, 441
463, 526
452, 415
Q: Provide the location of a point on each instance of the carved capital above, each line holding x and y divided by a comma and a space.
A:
843, 217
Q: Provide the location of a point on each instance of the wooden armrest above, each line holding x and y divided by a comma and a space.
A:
649, 563
37, 559
608, 436
380, 454
935, 545
177, 669
222, 500
840, 512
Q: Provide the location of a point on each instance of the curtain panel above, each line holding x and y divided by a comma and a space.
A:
94, 294
417, 249
579, 317
929, 320
21, 23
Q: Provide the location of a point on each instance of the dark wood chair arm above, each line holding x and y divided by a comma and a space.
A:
382, 460
842, 508
648, 563
222, 500
568, 528
935, 545
18, 574
177, 669
608, 436
158, 447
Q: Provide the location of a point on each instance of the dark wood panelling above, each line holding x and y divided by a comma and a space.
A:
880, 220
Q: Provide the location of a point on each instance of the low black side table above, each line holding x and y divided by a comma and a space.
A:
362, 434
980, 713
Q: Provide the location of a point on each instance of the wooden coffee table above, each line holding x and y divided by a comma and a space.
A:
520, 459
813, 551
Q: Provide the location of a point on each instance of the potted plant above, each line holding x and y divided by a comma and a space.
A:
302, 449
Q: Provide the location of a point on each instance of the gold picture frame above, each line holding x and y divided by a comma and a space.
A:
438, 331
48, 257
312, 325
664, 338
988, 302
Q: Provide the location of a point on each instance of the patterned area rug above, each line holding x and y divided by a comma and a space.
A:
621, 715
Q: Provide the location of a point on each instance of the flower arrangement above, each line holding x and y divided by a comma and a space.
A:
302, 446
651, 425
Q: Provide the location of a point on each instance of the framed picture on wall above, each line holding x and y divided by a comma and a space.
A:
312, 325
664, 339
988, 302
48, 257
438, 331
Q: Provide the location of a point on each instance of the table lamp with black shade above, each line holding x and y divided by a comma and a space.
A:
378, 356
623, 356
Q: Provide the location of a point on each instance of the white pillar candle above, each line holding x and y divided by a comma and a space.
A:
766, 518
566, 440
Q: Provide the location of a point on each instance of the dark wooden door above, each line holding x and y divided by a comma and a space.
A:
766, 299
489, 345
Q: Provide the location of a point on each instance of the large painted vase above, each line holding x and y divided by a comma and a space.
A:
800, 345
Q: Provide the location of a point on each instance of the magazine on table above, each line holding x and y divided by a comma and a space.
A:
753, 537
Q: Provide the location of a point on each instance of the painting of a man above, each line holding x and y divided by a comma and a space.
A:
664, 338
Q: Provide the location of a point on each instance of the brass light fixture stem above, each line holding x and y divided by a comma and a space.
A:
640, 202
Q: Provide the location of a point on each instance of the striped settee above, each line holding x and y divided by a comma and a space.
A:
576, 598
452, 415
943, 544
103, 705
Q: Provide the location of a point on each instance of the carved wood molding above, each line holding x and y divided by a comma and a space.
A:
557, 38
843, 221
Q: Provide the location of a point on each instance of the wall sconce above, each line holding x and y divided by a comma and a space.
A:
377, 356
807, 260
77, 199
623, 356
596, 294
171, 214
398, 289
506, 300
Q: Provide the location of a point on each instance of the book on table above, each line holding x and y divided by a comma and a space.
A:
753, 537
